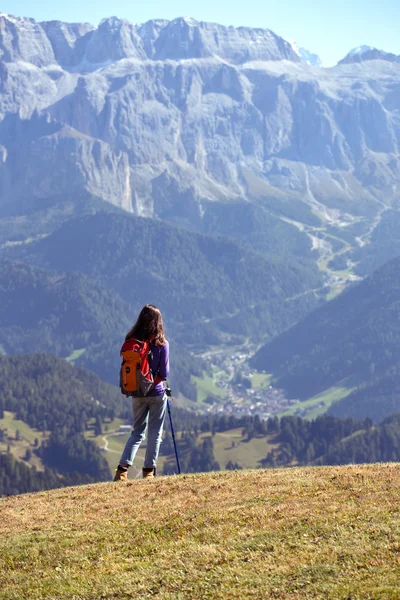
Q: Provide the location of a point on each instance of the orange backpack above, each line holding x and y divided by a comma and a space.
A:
136, 378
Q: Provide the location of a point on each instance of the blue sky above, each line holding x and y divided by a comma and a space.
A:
329, 28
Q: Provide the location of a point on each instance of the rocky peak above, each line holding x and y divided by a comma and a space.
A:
66, 40
231, 113
365, 53
24, 39
149, 32
307, 57
113, 40
181, 39
188, 38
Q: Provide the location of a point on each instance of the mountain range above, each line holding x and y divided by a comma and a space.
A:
184, 120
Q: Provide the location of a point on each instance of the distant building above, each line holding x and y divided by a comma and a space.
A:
125, 428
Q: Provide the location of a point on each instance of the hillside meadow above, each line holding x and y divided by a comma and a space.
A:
328, 532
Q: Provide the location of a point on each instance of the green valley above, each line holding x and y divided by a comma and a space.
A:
351, 342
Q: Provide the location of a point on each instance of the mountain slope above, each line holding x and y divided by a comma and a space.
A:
237, 534
327, 440
59, 395
72, 316
19, 478
384, 440
44, 311
378, 397
207, 286
354, 337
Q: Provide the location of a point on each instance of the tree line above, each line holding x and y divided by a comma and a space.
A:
326, 440
52, 396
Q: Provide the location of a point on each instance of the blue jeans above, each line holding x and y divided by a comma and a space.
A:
146, 411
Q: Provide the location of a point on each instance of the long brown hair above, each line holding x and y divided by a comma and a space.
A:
149, 326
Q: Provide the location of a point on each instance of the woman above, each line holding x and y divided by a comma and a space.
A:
151, 409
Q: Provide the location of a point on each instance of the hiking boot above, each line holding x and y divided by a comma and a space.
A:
148, 472
121, 474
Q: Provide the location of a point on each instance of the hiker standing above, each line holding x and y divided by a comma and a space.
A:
149, 410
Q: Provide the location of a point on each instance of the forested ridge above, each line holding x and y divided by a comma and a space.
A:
326, 440
19, 478
385, 244
376, 398
53, 312
48, 393
204, 285
54, 397
60, 313
354, 337
16, 477
81, 286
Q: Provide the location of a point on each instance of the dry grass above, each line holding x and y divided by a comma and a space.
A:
331, 533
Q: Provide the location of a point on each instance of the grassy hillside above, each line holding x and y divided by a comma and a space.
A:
20, 440
233, 446
321, 403
323, 533
353, 339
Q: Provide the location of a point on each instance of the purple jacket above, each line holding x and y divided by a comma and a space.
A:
159, 364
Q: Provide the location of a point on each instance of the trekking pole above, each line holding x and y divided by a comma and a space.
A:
168, 391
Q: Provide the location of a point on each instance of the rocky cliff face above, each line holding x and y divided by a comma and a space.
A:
167, 117
114, 39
